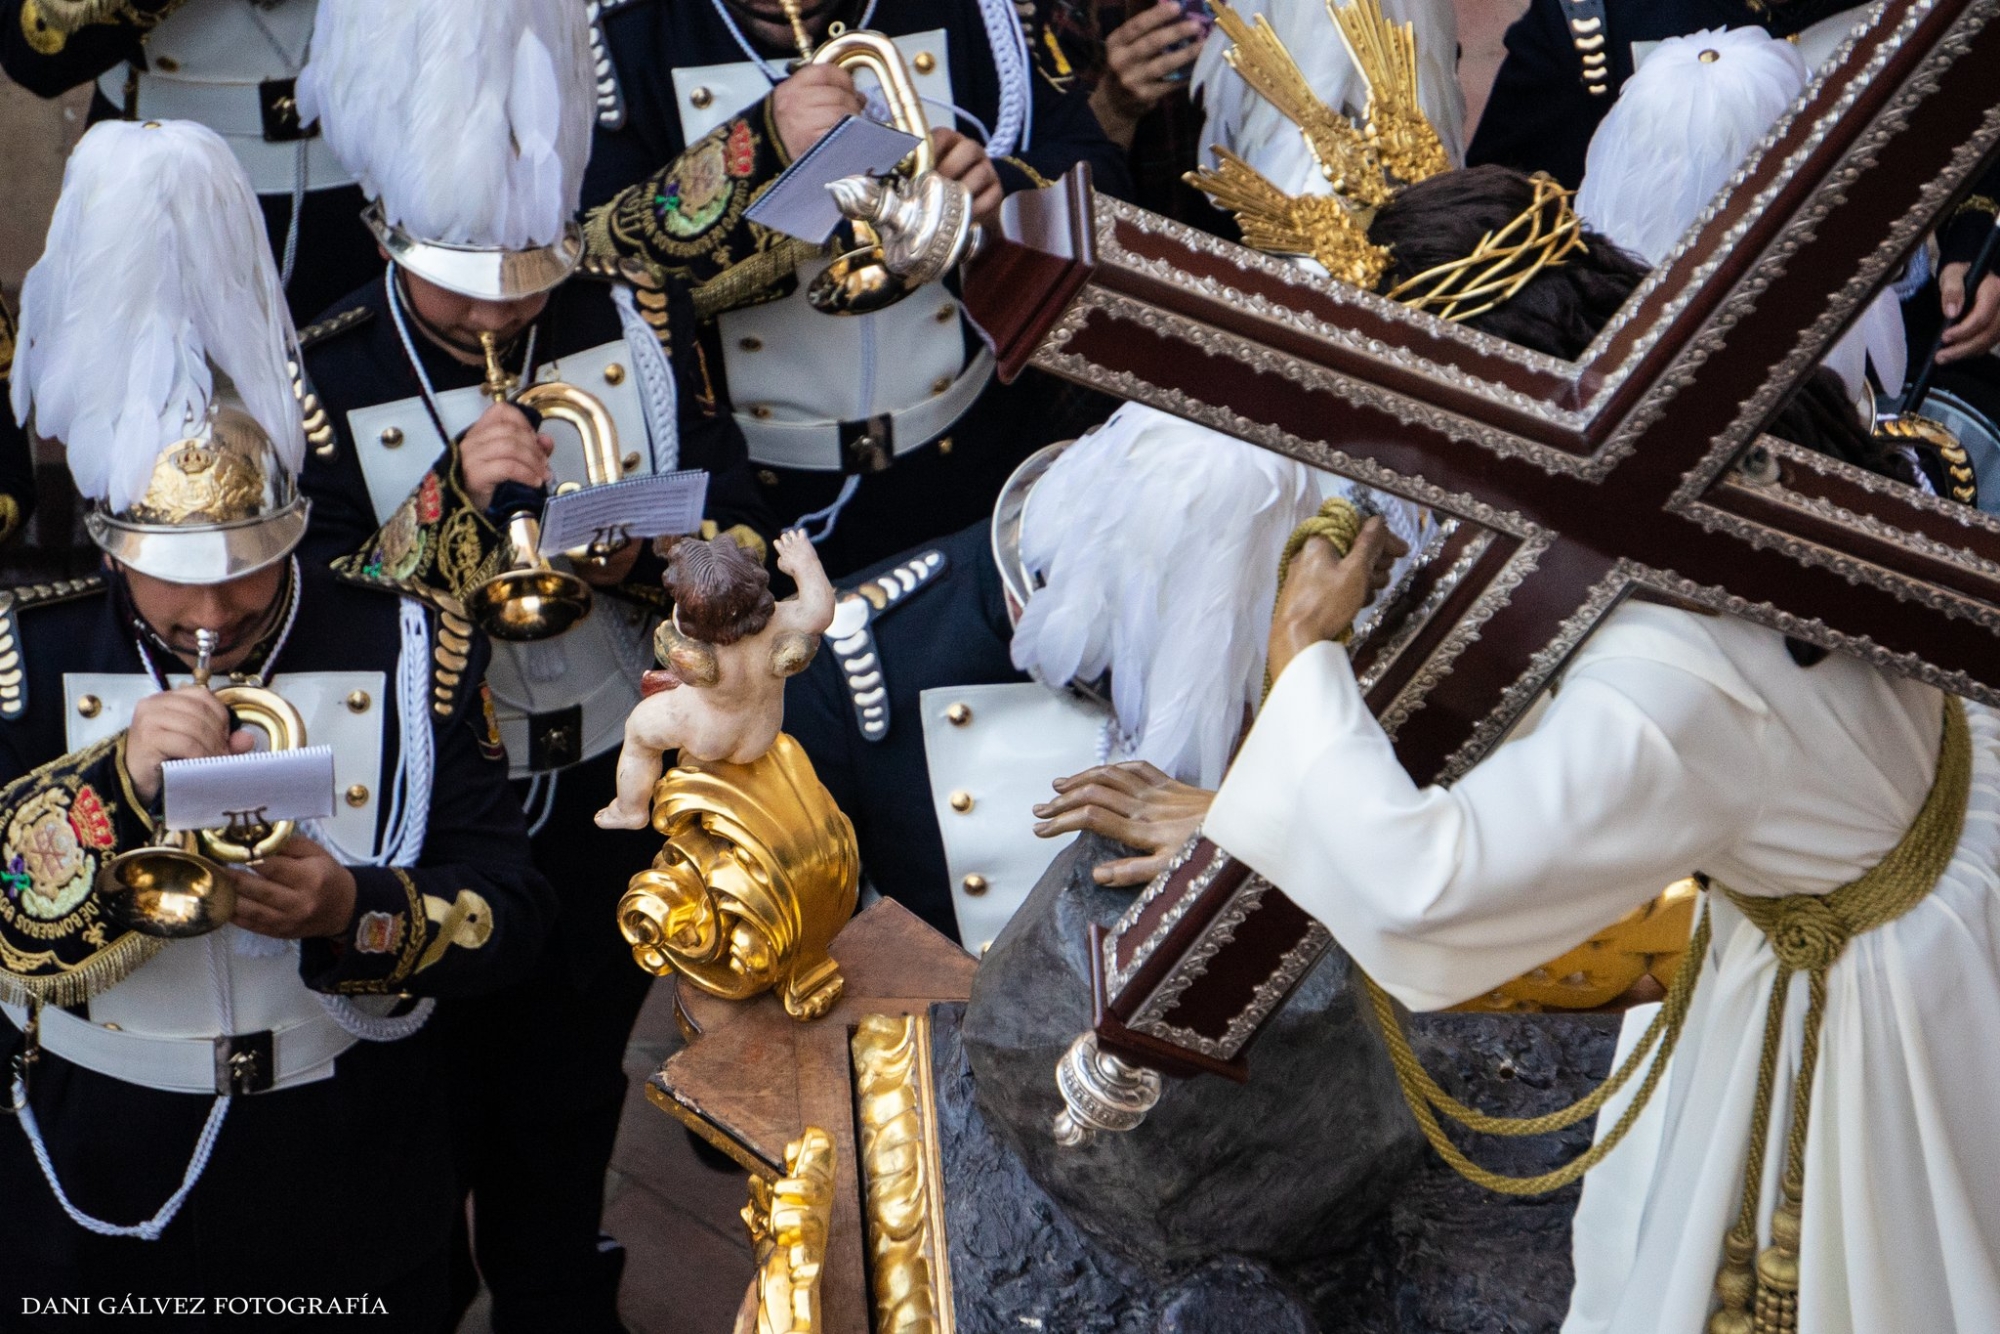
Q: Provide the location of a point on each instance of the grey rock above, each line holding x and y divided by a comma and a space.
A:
1306, 1195
1289, 1166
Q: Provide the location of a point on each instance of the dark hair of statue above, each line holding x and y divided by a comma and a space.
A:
721, 594
1564, 306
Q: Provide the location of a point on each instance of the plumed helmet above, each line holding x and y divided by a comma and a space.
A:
156, 346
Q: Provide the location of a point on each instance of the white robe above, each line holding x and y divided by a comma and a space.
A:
1679, 742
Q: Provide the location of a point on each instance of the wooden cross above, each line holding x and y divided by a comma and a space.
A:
1571, 484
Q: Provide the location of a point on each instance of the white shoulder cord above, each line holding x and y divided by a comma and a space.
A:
409, 816
204, 1144
659, 395
1014, 130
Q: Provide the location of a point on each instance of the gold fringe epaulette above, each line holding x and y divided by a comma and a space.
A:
105, 970
13, 674
756, 279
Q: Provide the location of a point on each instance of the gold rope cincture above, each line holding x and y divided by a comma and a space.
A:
1806, 931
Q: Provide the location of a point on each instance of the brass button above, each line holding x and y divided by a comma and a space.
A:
700, 99
760, 411
945, 313
114, 1028
357, 795
939, 385
924, 63
944, 445
391, 437
961, 801
975, 885
90, 706
767, 477
614, 374
166, 64
1710, 56
750, 343
357, 701
630, 462
958, 715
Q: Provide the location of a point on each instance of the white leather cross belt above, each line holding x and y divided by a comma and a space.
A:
820, 447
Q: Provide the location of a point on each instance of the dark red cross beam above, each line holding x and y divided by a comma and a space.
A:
1575, 483
1641, 465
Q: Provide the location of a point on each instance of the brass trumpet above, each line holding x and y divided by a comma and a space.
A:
176, 887
861, 280
532, 599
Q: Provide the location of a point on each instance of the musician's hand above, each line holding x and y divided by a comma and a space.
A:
964, 160
1137, 63
296, 892
1132, 802
809, 103
185, 724
502, 447
615, 569
1979, 330
1324, 593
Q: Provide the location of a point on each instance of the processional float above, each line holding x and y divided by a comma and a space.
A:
1561, 487
1564, 487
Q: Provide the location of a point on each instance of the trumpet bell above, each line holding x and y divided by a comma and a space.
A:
169, 892
856, 283
530, 603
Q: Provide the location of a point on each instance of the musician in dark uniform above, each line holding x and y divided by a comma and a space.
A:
1567, 59
17, 454
231, 65
410, 452
959, 680
873, 431
260, 1111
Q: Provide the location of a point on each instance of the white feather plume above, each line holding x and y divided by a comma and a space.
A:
1159, 542
1679, 129
1682, 125
1238, 119
468, 119
157, 275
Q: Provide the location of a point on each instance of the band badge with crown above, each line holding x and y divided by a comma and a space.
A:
220, 503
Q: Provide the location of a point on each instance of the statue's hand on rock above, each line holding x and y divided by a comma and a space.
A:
1132, 802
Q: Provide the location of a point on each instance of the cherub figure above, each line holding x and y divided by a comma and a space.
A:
733, 647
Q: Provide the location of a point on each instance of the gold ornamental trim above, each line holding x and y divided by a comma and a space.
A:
901, 1172
788, 1221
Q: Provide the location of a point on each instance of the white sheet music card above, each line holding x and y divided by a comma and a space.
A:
665, 503
798, 204
266, 785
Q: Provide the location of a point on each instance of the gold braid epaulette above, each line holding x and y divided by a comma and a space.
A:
451, 645
319, 427
13, 675
1977, 204
602, 263
319, 332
